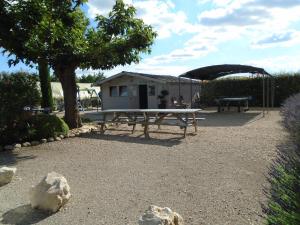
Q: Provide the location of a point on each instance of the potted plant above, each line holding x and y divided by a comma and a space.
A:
163, 100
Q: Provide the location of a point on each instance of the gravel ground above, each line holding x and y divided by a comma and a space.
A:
216, 177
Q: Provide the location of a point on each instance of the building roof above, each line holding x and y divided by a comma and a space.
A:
151, 77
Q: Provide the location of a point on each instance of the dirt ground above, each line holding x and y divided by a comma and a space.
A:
216, 177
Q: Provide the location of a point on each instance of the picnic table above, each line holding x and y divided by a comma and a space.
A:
237, 101
146, 117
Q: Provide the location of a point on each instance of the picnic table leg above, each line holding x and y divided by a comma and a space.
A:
102, 128
134, 125
186, 124
146, 127
195, 122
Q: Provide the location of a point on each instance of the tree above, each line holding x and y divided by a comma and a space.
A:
91, 78
118, 39
15, 30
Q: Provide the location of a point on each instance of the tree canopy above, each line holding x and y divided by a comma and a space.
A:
60, 32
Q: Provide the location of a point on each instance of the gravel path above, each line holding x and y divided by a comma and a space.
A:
214, 178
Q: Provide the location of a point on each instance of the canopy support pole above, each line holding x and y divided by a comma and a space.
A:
191, 93
263, 102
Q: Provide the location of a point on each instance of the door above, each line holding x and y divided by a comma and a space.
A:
143, 96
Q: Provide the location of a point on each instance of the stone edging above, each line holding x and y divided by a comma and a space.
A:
72, 133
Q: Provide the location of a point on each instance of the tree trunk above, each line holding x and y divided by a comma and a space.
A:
47, 100
66, 76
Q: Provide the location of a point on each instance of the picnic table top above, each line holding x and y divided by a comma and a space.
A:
233, 99
150, 111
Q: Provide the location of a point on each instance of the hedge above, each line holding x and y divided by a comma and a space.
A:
285, 86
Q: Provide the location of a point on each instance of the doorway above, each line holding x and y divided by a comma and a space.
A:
143, 96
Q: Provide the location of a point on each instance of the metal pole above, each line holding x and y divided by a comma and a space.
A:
268, 93
191, 93
273, 91
179, 90
263, 103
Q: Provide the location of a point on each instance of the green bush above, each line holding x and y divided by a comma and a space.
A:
45, 126
16, 91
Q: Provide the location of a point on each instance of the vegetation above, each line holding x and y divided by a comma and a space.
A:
16, 91
284, 204
59, 32
90, 78
285, 85
44, 76
45, 126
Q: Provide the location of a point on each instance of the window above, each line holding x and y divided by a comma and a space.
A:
151, 90
113, 91
123, 91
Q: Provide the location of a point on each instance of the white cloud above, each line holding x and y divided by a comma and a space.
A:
286, 63
282, 39
158, 13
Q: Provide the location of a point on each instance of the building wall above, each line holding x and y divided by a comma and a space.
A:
132, 100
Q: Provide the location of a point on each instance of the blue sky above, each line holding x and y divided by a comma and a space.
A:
196, 33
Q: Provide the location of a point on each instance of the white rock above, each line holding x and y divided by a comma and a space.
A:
6, 174
62, 136
155, 215
26, 144
50, 139
51, 193
57, 139
17, 146
44, 140
71, 135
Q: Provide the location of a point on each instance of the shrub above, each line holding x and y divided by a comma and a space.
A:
284, 203
16, 91
45, 126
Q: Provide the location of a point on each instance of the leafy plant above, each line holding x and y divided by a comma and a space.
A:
284, 203
45, 126
16, 91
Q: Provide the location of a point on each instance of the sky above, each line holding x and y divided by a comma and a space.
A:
197, 33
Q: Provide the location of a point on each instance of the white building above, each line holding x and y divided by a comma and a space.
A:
127, 90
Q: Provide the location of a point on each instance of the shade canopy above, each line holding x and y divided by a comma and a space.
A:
216, 71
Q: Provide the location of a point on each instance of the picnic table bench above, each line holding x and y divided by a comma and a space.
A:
146, 117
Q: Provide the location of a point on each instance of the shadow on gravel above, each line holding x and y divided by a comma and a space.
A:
11, 158
23, 215
228, 119
137, 139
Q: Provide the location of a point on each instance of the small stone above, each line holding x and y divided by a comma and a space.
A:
62, 136
71, 135
6, 174
77, 134
50, 139
33, 143
52, 193
155, 215
18, 146
26, 144
57, 139
8, 147
44, 140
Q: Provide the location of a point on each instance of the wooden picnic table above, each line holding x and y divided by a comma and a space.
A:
172, 117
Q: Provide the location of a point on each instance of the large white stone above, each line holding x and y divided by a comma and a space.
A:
51, 193
155, 215
6, 174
